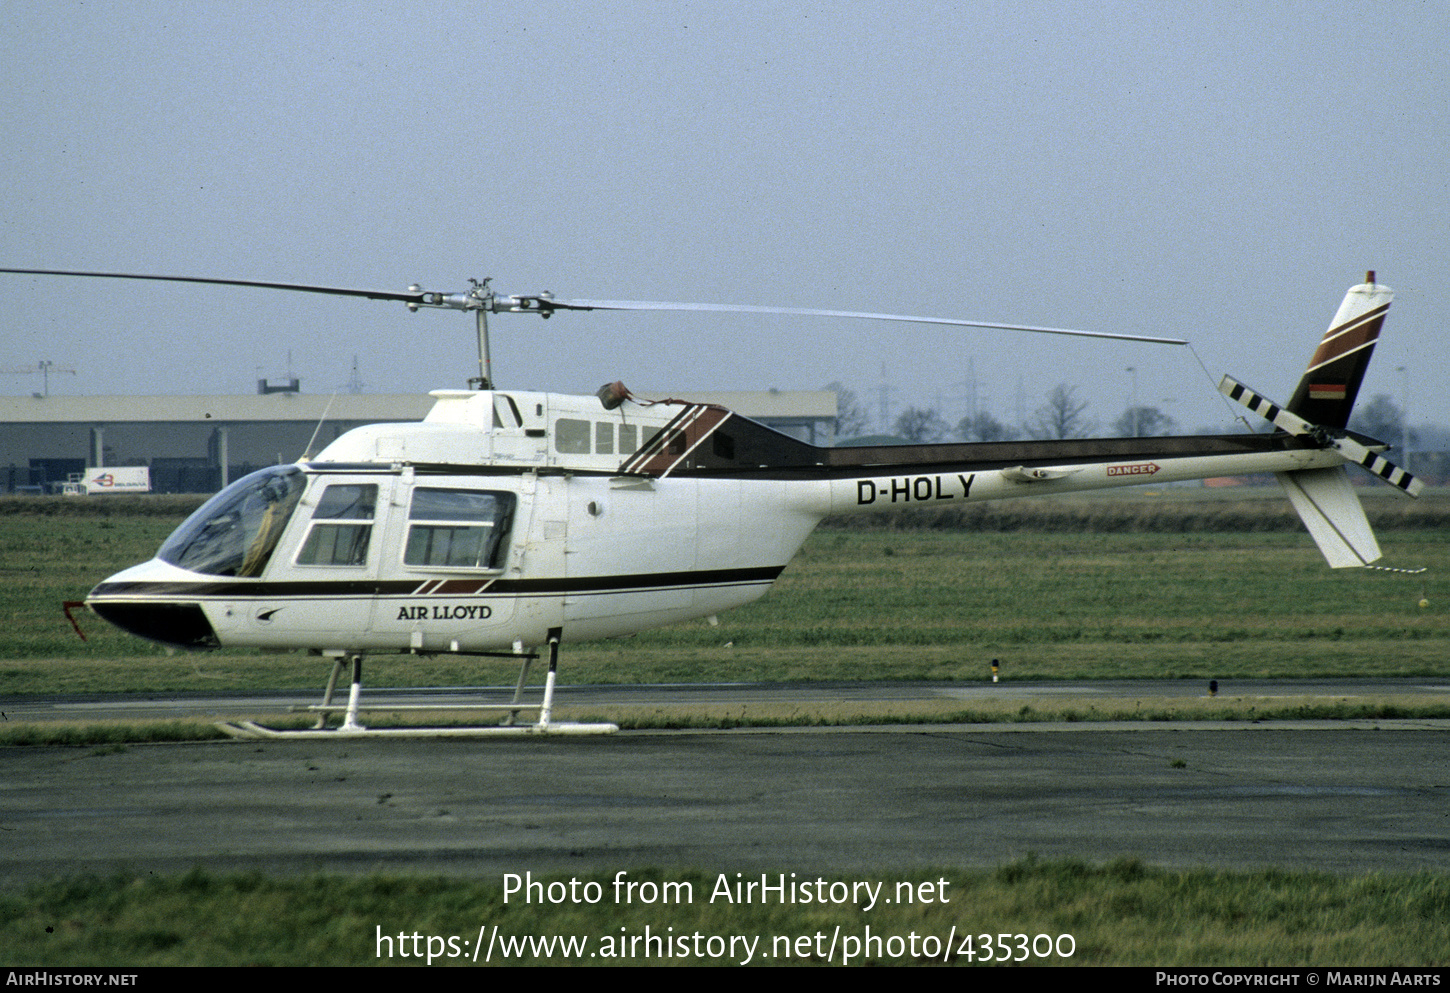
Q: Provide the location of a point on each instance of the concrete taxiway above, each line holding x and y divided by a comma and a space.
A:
1345, 797
604, 698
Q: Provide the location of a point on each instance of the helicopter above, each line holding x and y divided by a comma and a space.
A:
507, 521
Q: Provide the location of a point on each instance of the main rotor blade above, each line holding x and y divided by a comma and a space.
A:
545, 304
725, 308
410, 297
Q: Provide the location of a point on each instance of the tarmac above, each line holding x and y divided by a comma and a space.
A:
1344, 797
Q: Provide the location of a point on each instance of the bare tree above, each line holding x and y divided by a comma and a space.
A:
982, 426
1061, 416
1143, 422
850, 415
919, 425
1381, 419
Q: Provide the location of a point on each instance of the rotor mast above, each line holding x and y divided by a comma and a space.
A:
479, 299
485, 360
482, 300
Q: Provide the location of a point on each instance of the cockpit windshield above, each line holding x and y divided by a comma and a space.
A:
235, 532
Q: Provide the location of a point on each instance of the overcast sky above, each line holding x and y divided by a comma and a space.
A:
1216, 171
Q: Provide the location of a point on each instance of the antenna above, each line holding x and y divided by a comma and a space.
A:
307, 452
884, 392
45, 367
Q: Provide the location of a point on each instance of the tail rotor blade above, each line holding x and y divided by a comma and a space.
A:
1294, 424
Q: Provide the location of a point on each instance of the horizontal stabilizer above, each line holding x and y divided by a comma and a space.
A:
1326, 503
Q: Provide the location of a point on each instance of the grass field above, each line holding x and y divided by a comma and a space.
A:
1178, 585
1055, 589
1110, 588
1124, 913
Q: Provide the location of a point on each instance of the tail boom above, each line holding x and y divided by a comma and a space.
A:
903, 485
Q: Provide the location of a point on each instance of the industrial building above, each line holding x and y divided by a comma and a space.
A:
196, 444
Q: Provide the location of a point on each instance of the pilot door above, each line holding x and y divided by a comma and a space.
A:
320, 584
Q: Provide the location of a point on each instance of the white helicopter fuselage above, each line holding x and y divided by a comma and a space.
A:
499, 518
504, 516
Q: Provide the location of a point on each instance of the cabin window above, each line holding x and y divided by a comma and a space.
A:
462, 529
571, 437
603, 438
628, 439
342, 526
235, 532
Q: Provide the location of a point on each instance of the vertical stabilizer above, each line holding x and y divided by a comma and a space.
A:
1326, 394
1329, 508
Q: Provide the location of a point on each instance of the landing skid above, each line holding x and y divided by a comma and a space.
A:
351, 728
250, 730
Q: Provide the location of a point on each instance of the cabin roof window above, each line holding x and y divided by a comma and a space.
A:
723, 445
506, 412
628, 439
571, 436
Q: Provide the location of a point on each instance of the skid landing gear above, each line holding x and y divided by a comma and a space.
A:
351, 728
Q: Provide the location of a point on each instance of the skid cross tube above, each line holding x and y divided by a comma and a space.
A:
352, 727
